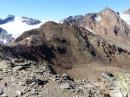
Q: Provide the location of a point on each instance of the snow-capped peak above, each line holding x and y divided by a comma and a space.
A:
98, 18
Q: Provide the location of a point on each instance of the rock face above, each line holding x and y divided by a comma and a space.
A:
107, 24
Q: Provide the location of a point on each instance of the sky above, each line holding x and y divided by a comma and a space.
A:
46, 10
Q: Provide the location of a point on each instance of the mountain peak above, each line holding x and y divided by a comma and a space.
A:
109, 15
107, 10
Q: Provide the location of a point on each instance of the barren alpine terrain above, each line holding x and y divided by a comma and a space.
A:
83, 56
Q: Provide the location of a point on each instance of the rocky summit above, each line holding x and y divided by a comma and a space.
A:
84, 56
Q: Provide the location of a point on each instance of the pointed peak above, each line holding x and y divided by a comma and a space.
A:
107, 9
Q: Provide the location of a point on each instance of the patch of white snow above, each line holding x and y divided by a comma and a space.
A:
125, 17
89, 30
28, 38
98, 18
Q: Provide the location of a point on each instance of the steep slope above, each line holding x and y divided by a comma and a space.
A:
107, 24
65, 45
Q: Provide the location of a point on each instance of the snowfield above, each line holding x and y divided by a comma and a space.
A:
125, 17
17, 27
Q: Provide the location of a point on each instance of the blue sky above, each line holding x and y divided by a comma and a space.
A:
57, 9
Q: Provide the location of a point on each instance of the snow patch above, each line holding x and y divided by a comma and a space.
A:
5, 41
89, 30
125, 17
98, 18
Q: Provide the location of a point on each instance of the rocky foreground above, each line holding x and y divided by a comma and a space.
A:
22, 78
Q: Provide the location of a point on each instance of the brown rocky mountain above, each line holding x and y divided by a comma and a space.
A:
65, 45
107, 24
